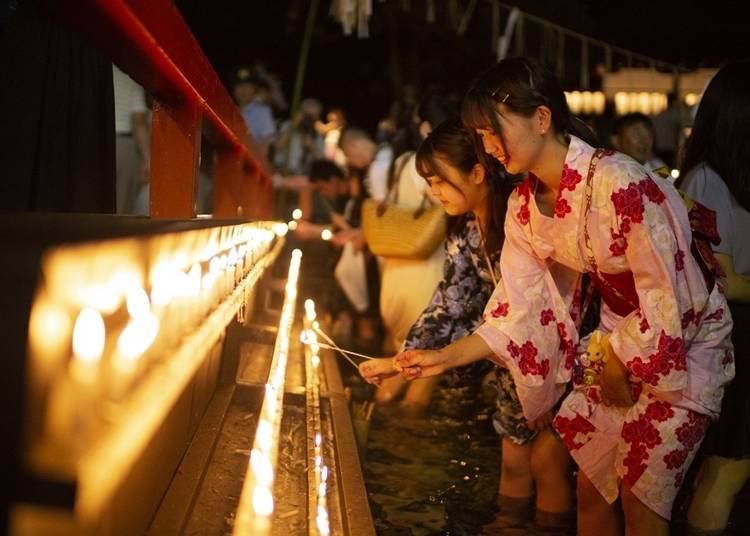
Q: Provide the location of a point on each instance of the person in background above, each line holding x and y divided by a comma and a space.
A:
133, 129
633, 134
364, 155
716, 173
368, 170
299, 142
322, 204
331, 132
407, 285
246, 89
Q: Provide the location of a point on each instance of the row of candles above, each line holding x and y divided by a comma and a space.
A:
256, 505
318, 478
95, 331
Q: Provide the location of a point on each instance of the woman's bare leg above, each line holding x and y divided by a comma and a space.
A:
719, 482
639, 518
515, 470
596, 517
551, 470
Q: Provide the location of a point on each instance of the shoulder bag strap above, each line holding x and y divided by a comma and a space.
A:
591, 259
392, 194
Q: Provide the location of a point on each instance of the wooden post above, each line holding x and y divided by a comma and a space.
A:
175, 148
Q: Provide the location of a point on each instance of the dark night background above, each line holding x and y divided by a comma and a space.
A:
363, 75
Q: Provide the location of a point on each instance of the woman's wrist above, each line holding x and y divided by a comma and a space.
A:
448, 355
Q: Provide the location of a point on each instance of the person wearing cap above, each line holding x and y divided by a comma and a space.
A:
256, 113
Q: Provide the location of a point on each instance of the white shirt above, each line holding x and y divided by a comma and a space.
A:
129, 98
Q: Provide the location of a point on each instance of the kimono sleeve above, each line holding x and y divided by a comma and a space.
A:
527, 323
457, 304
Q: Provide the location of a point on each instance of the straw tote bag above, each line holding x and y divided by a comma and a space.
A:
402, 232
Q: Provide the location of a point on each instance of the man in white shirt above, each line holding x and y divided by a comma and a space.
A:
133, 144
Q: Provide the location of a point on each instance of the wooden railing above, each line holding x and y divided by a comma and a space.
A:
149, 40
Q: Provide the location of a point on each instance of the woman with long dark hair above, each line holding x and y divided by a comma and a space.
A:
645, 394
716, 173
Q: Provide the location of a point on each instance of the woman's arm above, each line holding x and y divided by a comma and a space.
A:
737, 286
424, 363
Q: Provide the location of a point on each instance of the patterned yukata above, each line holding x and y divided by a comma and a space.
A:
456, 310
674, 342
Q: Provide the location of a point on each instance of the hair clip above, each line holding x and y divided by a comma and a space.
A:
502, 101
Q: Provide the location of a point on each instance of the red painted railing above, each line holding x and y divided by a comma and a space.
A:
150, 41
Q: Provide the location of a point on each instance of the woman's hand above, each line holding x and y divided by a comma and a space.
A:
616, 389
375, 370
355, 236
415, 364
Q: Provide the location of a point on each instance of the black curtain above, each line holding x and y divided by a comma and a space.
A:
57, 141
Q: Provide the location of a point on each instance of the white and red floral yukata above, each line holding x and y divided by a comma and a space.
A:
675, 340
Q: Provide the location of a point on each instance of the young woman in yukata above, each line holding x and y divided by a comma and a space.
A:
635, 429
474, 194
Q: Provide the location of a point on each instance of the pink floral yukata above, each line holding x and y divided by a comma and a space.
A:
674, 341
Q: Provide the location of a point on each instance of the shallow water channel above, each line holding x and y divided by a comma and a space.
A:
436, 473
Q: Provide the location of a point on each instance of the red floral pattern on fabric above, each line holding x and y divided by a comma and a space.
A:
643, 436
566, 345
619, 243
669, 355
628, 205
659, 411
675, 458
524, 190
629, 208
716, 315
642, 431
728, 358
576, 305
679, 260
570, 428
633, 462
690, 435
500, 310
526, 357
546, 317
687, 317
643, 325
570, 178
569, 181
562, 207
651, 190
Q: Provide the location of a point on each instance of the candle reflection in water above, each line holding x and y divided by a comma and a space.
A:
256, 504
